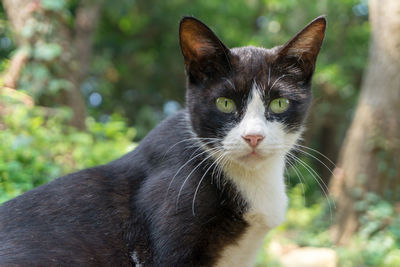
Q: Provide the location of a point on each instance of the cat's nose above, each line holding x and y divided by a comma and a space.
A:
253, 140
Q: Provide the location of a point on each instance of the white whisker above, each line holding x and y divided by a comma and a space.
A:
201, 179
187, 162
317, 178
301, 178
215, 151
280, 77
316, 151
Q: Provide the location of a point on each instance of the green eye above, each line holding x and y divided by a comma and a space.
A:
225, 105
279, 105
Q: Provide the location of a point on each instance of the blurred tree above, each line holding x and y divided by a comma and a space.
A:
55, 38
369, 159
137, 68
19, 11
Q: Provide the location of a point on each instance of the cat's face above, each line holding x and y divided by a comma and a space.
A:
248, 103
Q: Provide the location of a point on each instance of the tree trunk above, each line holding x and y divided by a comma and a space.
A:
369, 159
13, 72
76, 42
77, 66
18, 11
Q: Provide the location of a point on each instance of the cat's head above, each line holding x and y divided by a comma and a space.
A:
248, 102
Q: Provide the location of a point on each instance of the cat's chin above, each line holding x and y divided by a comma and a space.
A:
252, 160
253, 156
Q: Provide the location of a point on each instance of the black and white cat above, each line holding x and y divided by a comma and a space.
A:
202, 189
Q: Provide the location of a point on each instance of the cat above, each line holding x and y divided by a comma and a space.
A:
202, 189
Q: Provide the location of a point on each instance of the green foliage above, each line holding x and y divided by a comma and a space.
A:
47, 51
6, 44
38, 145
309, 223
377, 243
55, 5
306, 225
140, 41
137, 66
43, 37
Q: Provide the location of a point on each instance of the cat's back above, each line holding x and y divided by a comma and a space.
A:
85, 192
81, 218
66, 222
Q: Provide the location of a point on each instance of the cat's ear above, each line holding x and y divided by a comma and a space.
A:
204, 54
305, 45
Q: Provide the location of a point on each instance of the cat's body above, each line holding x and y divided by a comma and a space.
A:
202, 189
105, 215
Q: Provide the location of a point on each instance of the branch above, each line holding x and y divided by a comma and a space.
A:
13, 72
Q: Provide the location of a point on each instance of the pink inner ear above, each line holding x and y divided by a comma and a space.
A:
203, 47
308, 42
305, 44
195, 46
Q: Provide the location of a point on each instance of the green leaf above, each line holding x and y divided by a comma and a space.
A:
47, 51
55, 5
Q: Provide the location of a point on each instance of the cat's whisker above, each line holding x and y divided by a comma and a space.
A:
285, 171
216, 161
317, 159
200, 139
218, 169
186, 163
311, 171
221, 168
191, 139
221, 171
300, 176
171, 147
299, 149
280, 77
319, 153
269, 75
215, 166
230, 83
200, 146
317, 178
212, 153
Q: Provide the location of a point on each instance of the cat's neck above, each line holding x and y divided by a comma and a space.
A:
263, 188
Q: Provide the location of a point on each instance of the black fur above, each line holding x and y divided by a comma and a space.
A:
99, 216
138, 209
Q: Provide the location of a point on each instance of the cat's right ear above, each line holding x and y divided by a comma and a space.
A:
304, 47
205, 55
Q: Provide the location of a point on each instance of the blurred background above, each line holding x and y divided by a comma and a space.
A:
82, 82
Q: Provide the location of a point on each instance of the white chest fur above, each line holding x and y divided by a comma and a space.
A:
243, 253
264, 191
257, 172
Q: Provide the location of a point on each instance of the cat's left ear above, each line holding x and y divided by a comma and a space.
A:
305, 45
204, 54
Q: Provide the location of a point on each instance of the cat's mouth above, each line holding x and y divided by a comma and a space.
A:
253, 155
256, 155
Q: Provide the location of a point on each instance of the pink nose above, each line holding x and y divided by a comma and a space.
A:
253, 140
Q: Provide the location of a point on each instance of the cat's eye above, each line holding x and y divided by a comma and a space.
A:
225, 105
279, 105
